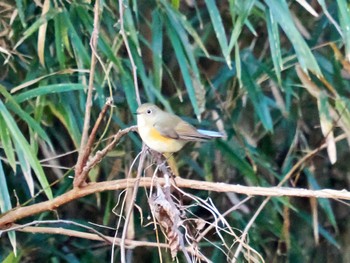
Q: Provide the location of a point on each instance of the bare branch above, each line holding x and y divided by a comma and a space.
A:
82, 151
125, 39
76, 193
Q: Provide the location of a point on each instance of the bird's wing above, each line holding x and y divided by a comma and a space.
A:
180, 129
166, 131
189, 133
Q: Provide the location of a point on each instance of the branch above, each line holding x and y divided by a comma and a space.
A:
91, 188
73, 233
79, 179
84, 138
130, 207
125, 39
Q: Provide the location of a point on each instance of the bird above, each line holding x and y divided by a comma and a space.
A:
165, 132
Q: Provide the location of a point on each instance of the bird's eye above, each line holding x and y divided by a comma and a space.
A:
149, 111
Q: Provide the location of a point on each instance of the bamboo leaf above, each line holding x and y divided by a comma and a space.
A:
157, 48
49, 89
42, 34
258, 99
6, 143
5, 205
219, 29
281, 14
32, 159
179, 52
239, 163
274, 39
344, 17
13, 106
36, 25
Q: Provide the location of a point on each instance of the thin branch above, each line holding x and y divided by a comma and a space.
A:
80, 179
100, 154
73, 233
91, 188
82, 151
125, 39
131, 206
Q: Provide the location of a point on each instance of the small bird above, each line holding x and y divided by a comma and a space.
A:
165, 132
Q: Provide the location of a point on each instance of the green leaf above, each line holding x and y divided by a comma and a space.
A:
129, 90
131, 30
101, 41
35, 26
281, 13
275, 47
29, 155
258, 99
15, 107
12, 258
157, 48
6, 143
80, 51
219, 29
236, 161
25, 167
324, 203
20, 8
181, 58
61, 40
344, 17
5, 204
49, 89
244, 9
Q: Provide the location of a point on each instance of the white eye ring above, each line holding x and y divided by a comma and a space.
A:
149, 111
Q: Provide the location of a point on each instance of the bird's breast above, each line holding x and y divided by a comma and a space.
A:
153, 139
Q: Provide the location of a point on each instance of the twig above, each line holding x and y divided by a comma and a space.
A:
84, 138
73, 233
131, 206
80, 179
100, 154
125, 39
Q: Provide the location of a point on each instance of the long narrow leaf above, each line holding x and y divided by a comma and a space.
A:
179, 52
239, 163
157, 48
5, 205
219, 29
6, 143
281, 14
258, 99
344, 17
29, 155
275, 47
15, 107
49, 89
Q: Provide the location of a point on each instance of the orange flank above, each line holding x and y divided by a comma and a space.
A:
155, 135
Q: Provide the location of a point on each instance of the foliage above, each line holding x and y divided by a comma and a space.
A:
274, 75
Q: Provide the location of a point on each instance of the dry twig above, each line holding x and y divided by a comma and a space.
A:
83, 151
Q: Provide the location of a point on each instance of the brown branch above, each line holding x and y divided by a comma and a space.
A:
73, 233
100, 154
82, 151
79, 179
76, 193
130, 207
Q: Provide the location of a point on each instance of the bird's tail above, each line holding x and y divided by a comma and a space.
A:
212, 134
